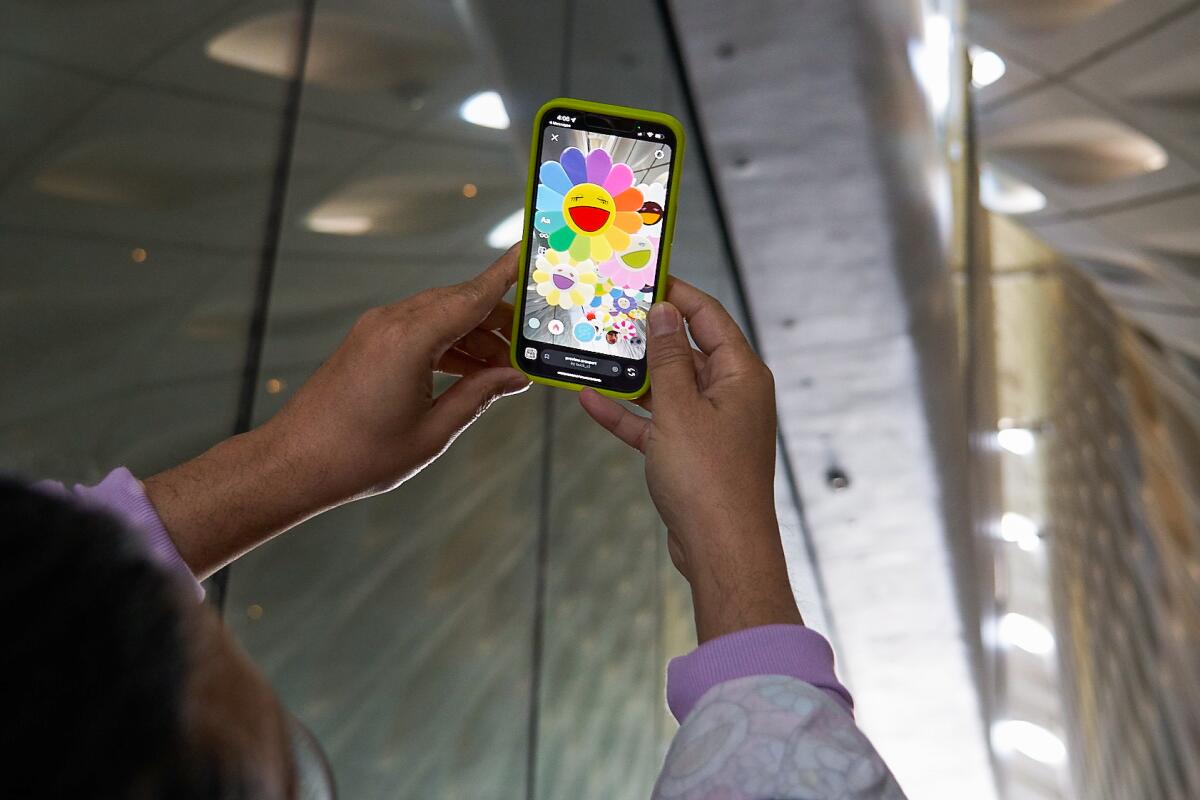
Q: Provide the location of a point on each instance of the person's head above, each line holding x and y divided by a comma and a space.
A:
118, 684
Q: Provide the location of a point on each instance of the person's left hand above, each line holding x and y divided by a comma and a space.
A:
365, 422
368, 414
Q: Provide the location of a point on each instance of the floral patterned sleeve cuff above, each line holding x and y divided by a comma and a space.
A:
792, 650
772, 737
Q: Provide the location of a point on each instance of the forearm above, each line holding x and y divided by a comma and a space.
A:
739, 579
235, 496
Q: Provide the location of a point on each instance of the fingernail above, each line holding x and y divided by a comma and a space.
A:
664, 319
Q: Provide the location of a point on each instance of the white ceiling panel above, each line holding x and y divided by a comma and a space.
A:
1054, 42
1156, 82
1076, 153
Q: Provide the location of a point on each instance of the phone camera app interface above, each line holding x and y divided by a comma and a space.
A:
597, 226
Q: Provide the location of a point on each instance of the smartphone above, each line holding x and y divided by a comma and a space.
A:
598, 228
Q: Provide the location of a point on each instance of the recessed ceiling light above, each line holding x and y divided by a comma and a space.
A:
1005, 194
340, 225
485, 109
507, 231
1020, 529
1025, 633
1018, 441
1155, 160
986, 67
1028, 739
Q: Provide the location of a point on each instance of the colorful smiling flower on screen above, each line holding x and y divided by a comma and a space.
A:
587, 205
625, 329
563, 281
654, 200
635, 266
624, 303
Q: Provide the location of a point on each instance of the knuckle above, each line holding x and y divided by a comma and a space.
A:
468, 292
379, 326
440, 295
672, 358
368, 321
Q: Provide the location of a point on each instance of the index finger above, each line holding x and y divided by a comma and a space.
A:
708, 321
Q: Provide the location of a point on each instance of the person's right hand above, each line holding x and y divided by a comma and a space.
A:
710, 462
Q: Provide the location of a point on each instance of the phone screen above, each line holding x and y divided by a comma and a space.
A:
600, 207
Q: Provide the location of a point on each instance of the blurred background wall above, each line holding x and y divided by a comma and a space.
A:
962, 234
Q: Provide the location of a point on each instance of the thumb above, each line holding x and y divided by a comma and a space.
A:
467, 304
672, 370
456, 408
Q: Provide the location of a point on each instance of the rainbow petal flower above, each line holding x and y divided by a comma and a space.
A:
635, 266
563, 281
587, 205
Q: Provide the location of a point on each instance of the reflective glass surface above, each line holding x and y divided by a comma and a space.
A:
498, 626
135, 182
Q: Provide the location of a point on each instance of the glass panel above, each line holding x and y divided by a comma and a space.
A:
400, 629
136, 178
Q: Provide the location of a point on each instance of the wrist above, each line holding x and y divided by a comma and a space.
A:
739, 580
234, 496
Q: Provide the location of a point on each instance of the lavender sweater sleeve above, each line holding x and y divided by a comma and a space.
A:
123, 496
791, 650
764, 717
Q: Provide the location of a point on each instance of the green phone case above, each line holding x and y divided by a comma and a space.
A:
668, 236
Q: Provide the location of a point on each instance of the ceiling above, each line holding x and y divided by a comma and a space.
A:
1097, 115
849, 287
1099, 109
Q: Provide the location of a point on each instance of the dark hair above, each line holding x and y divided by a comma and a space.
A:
93, 657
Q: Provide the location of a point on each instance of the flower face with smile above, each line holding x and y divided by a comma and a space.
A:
564, 282
654, 200
586, 205
588, 209
635, 266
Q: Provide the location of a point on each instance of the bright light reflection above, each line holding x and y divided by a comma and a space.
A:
1018, 441
1025, 633
485, 109
986, 67
1156, 160
1028, 739
1005, 194
339, 225
507, 231
1020, 529
929, 59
